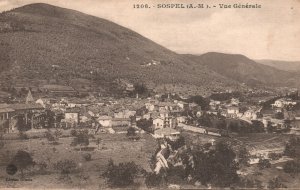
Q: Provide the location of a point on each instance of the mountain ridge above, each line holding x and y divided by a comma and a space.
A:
70, 39
42, 44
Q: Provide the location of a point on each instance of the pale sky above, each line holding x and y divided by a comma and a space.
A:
272, 32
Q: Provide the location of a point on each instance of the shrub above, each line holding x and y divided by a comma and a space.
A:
87, 156
121, 175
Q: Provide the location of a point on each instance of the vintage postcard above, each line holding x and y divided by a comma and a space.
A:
149, 94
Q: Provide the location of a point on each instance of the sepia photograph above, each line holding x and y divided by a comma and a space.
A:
149, 94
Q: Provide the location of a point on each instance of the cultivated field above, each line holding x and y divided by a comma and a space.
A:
88, 173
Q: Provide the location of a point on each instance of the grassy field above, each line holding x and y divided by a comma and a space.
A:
88, 173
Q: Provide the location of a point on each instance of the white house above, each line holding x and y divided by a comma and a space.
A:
183, 105
105, 121
181, 119
158, 123
250, 115
235, 101
124, 114
280, 103
233, 110
72, 117
150, 106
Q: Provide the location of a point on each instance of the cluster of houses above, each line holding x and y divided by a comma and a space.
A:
165, 116
29, 113
238, 110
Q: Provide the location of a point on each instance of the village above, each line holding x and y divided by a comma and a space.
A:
166, 119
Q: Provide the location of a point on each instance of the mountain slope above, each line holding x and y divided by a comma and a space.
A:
282, 65
242, 69
43, 43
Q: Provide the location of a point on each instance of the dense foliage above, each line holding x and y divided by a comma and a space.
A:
216, 166
121, 175
145, 124
22, 160
292, 147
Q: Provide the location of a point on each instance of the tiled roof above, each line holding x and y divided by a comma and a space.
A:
6, 110
25, 106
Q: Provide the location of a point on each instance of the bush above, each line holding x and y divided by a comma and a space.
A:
153, 180
176, 174
87, 156
82, 139
178, 143
22, 160
42, 166
292, 146
291, 167
276, 183
73, 132
49, 136
23, 136
131, 131
264, 163
57, 133
121, 175
274, 156
65, 166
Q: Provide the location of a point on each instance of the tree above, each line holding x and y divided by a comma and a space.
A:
216, 166
270, 127
98, 141
257, 126
243, 156
82, 139
202, 102
121, 175
145, 124
276, 183
264, 163
22, 160
131, 133
177, 144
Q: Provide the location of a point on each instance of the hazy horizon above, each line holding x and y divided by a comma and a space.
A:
271, 32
